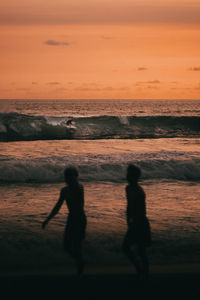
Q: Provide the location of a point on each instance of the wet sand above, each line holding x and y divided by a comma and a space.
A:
166, 282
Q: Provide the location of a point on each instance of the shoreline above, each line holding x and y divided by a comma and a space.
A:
99, 283
128, 270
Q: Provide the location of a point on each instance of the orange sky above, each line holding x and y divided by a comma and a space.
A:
100, 49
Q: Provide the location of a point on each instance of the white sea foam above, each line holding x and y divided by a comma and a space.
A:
102, 167
124, 120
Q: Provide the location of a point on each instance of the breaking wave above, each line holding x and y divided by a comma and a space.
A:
14, 126
110, 168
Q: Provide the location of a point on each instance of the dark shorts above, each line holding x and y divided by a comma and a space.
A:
74, 231
138, 233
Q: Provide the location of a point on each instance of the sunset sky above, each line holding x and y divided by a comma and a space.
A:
74, 49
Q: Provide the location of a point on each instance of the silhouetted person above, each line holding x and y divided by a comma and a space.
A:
138, 233
69, 122
74, 233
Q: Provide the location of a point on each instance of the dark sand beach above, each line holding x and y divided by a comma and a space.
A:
166, 282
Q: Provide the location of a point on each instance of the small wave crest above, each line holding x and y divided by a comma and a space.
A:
46, 170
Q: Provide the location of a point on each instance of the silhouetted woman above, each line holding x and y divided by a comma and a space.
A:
138, 233
74, 234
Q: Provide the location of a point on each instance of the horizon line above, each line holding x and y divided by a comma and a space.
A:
99, 99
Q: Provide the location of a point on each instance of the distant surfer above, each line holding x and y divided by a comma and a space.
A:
69, 122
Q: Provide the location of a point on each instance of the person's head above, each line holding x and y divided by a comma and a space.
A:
133, 174
71, 175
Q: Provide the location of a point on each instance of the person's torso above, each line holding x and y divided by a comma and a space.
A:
136, 207
74, 197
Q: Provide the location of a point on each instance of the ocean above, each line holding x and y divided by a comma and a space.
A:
39, 138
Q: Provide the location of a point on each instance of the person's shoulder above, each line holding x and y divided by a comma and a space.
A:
65, 188
129, 189
64, 191
140, 188
134, 188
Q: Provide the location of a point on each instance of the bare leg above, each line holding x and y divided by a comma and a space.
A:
79, 259
144, 259
126, 248
74, 249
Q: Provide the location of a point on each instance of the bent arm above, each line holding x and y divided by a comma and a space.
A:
55, 210
129, 212
82, 197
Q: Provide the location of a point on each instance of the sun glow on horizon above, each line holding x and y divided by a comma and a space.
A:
83, 57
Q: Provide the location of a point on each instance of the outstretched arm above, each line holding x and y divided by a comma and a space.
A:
54, 211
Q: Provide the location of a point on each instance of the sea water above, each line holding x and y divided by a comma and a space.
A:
161, 137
